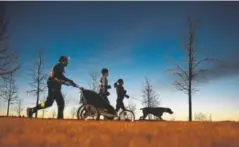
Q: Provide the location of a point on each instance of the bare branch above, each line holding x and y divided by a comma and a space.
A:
179, 69
53, 113
8, 60
150, 98
38, 77
131, 106
94, 81
31, 91
198, 63
183, 78
202, 117
180, 86
73, 112
19, 107
9, 91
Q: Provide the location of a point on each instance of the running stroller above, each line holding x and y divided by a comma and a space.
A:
93, 106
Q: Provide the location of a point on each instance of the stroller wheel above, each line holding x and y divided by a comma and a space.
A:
79, 112
89, 112
127, 115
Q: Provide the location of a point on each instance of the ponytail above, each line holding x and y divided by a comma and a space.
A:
115, 84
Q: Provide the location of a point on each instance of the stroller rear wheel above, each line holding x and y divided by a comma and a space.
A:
127, 115
88, 112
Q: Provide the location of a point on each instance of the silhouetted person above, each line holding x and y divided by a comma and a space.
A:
104, 84
54, 82
121, 93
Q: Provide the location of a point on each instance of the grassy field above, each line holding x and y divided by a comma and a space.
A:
73, 133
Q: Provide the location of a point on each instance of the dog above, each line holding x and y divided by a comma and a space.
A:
156, 111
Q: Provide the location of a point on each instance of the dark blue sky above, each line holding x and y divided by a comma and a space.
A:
132, 39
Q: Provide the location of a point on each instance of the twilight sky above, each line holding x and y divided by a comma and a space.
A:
133, 40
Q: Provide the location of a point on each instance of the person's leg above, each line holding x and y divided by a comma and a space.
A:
60, 104
49, 101
122, 106
117, 106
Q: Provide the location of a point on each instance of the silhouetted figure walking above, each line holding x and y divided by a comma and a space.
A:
54, 82
121, 93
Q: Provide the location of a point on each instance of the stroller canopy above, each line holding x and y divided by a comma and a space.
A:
93, 98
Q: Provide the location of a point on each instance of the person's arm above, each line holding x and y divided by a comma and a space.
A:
65, 78
59, 71
127, 96
69, 80
115, 84
104, 84
120, 91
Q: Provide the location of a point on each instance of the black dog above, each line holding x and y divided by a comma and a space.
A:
156, 111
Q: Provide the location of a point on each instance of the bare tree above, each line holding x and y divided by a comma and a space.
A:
38, 77
73, 112
19, 107
189, 76
53, 113
44, 110
172, 118
9, 91
64, 95
8, 59
1, 104
66, 101
94, 81
132, 107
202, 117
150, 97
43, 113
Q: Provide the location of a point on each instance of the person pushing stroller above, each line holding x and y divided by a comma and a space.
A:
54, 83
121, 93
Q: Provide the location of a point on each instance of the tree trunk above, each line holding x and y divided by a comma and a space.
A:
43, 113
8, 106
190, 89
190, 81
37, 102
149, 116
19, 110
38, 85
190, 105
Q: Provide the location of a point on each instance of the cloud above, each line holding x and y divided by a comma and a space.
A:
228, 67
118, 48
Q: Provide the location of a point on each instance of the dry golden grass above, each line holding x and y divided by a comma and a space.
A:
73, 133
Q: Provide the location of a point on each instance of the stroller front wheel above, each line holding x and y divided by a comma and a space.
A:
127, 115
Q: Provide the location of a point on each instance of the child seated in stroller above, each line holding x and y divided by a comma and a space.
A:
95, 105
104, 84
121, 93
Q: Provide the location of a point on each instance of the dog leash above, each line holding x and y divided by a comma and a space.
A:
135, 99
